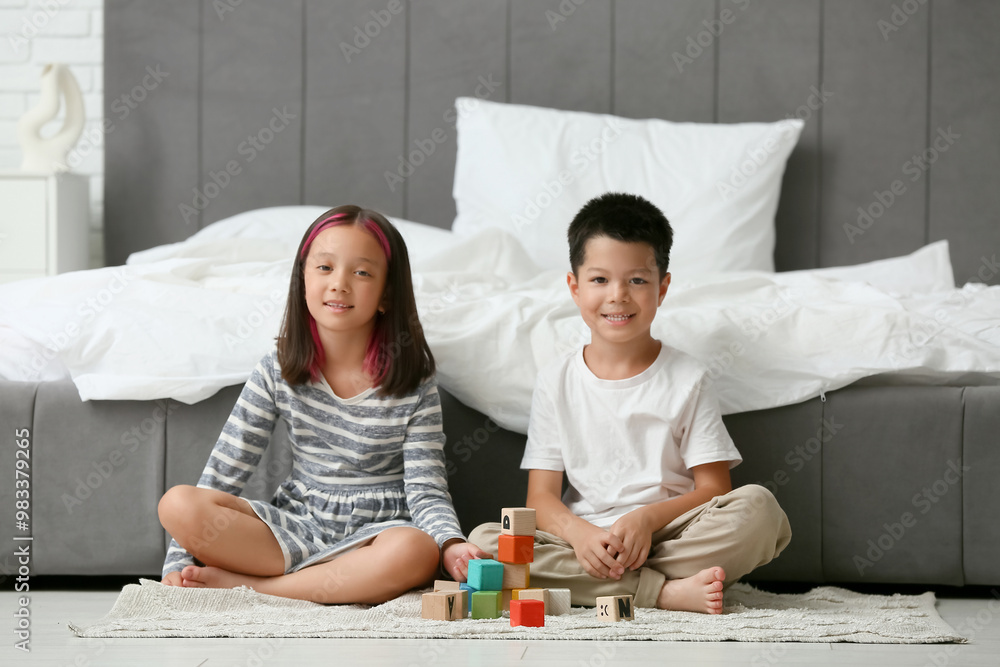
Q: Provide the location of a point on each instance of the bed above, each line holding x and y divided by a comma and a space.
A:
858, 381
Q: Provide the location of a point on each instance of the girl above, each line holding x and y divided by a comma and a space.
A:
365, 514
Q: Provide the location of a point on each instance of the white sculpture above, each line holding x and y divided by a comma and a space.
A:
48, 155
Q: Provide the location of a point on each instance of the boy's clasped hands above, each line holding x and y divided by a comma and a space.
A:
608, 553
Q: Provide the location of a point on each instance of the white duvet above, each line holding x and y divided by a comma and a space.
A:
184, 320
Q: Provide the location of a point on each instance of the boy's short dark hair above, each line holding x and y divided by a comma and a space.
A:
623, 217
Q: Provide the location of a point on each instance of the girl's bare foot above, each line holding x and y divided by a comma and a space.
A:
193, 576
701, 592
172, 579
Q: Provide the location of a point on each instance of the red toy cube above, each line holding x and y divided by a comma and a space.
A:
529, 613
516, 549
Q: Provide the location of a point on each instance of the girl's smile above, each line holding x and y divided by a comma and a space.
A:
338, 307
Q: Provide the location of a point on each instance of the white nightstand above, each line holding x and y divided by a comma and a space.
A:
44, 224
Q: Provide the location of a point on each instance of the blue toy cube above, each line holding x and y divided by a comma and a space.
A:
485, 574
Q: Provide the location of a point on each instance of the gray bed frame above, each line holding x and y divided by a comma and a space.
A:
881, 483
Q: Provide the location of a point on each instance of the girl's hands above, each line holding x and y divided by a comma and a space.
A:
456, 554
636, 536
595, 549
172, 579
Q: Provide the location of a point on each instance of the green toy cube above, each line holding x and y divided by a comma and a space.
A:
487, 604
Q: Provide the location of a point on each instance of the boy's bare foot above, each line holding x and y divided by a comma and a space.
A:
193, 576
701, 592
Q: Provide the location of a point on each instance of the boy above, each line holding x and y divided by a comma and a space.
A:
650, 509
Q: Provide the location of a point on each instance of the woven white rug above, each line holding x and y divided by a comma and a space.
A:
824, 614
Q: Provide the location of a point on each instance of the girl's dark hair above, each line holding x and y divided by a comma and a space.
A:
398, 358
623, 217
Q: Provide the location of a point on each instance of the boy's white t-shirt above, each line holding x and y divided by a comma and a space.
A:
624, 444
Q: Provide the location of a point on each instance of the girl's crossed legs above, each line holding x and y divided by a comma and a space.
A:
238, 549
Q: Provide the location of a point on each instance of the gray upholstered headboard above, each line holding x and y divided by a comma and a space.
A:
313, 102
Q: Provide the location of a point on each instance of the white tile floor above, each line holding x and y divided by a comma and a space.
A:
53, 644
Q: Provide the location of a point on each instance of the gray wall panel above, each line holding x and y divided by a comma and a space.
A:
769, 69
561, 58
150, 145
653, 77
964, 197
457, 49
371, 82
355, 75
252, 107
874, 124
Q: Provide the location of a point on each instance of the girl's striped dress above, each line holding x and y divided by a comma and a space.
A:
359, 465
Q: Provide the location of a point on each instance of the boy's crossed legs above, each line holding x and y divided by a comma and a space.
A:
243, 551
693, 558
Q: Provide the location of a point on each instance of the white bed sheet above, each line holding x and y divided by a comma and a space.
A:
184, 320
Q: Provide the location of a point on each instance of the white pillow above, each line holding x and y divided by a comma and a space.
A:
529, 170
284, 226
923, 271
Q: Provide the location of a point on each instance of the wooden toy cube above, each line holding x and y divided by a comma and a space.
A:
448, 586
442, 606
486, 574
530, 613
515, 576
487, 604
517, 521
535, 594
558, 601
516, 549
615, 608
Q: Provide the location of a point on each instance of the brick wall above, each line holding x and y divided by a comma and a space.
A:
34, 33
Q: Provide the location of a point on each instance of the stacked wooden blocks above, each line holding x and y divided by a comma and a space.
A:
516, 550
485, 586
495, 586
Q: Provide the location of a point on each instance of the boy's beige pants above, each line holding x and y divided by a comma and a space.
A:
739, 531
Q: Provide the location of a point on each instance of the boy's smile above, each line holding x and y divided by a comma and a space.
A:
618, 289
617, 319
